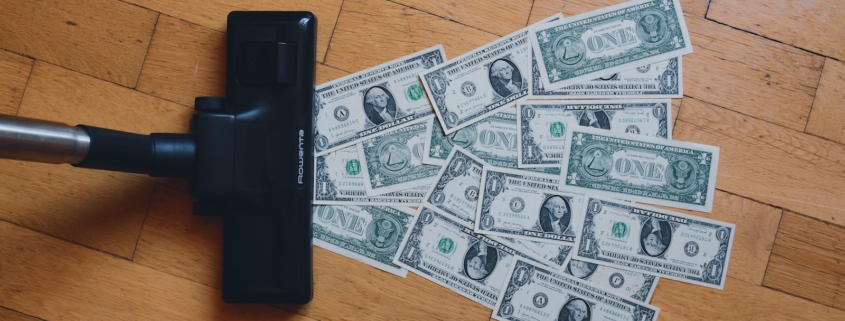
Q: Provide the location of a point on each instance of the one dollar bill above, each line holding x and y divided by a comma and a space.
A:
393, 162
542, 124
557, 256
639, 168
370, 234
372, 102
609, 40
639, 238
662, 79
493, 139
455, 191
536, 293
526, 205
339, 180
477, 84
448, 253
633, 285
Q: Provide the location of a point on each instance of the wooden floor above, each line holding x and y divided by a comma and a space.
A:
766, 83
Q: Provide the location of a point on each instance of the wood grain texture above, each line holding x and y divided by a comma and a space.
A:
804, 24
371, 32
14, 72
499, 17
769, 163
738, 301
807, 260
213, 14
56, 280
187, 60
100, 209
180, 243
57, 94
750, 74
546, 8
756, 226
676, 109
9, 315
176, 242
827, 119
103, 38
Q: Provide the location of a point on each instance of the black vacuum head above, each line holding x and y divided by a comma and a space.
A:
254, 157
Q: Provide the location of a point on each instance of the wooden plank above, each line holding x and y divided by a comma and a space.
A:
370, 32
328, 73
187, 60
180, 243
795, 278
769, 163
100, 209
546, 8
61, 95
14, 72
804, 24
499, 17
807, 260
55, 280
10, 315
738, 301
827, 119
750, 74
176, 242
676, 109
103, 38
103, 210
213, 14
756, 226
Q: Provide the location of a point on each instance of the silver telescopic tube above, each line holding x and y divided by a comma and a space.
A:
42, 141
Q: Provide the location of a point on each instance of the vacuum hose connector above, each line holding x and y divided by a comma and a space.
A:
97, 148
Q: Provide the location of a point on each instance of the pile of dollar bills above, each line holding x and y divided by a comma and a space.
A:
515, 174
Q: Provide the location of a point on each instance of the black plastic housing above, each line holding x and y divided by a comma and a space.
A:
270, 92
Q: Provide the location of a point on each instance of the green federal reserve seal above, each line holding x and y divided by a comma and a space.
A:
557, 129
415, 92
353, 167
446, 245
620, 230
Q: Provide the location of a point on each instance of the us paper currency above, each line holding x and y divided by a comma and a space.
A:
370, 234
479, 83
373, 101
542, 124
448, 253
640, 238
339, 180
643, 169
533, 292
393, 161
632, 285
662, 79
525, 205
493, 139
455, 191
609, 40
554, 255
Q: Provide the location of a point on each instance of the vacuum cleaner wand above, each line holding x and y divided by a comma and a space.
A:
172, 155
249, 157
